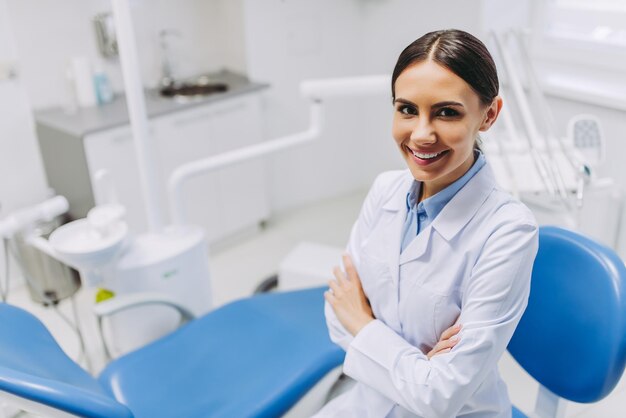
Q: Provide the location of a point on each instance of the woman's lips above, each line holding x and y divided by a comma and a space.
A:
421, 158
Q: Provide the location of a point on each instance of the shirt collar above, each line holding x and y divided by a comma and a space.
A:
435, 204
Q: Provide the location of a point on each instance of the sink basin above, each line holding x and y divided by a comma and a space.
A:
192, 89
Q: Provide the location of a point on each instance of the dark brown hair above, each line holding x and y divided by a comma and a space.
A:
460, 52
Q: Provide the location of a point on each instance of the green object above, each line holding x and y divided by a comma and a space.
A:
104, 294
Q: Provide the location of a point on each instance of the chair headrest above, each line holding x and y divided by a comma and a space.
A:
572, 337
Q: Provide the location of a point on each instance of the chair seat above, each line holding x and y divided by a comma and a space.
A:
212, 364
517, 413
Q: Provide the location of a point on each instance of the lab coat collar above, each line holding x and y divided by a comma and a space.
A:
397, 198
466, 201
451, 220
453, 217
464, 205
396, 202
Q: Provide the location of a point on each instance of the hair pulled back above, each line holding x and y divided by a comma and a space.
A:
458, 51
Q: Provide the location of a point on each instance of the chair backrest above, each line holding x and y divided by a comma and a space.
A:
33, 367
572, 337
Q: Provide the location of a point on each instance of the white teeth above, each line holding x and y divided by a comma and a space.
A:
425, 156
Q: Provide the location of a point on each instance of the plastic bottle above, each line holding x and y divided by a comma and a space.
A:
81, 74
102, 85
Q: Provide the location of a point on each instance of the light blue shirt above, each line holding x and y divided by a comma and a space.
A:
419, 216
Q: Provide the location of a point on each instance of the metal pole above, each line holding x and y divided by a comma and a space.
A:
137, 111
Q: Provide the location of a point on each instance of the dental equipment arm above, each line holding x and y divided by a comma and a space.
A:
315, 91
347, 86
527, 118
47, 210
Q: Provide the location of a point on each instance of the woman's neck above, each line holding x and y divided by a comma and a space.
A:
431, 188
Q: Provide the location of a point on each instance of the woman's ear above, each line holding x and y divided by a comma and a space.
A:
492, 114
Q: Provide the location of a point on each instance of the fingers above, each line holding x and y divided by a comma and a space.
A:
330, 297
444, 345
349, 266
441, 348
346, 282
339, 274
453, 330
335, 288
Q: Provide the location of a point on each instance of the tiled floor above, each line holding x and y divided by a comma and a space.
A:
238, 266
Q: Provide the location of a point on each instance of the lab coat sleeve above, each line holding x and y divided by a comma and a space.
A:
493, 302
338, 334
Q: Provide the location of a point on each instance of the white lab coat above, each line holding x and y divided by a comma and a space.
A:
473, 262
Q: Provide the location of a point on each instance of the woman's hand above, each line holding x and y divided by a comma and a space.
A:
449, 338
347, 298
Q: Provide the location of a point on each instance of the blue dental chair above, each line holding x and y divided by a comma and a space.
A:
258, 356
255, 357
572, 337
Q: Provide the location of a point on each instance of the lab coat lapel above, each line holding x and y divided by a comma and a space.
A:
396, 206
455, 215
395, 211
417, 247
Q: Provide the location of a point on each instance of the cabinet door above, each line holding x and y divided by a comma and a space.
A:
183, 137
114, 151
242, 187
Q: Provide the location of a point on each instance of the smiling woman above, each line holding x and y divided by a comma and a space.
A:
437, 271
443, 97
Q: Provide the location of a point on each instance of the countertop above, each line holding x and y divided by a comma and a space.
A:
88, 120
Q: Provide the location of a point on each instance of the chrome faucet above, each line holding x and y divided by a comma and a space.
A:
167, 76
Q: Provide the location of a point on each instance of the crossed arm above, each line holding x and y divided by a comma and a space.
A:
429, 384
351, 307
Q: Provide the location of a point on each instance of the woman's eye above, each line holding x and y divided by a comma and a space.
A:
407, 110
447, 112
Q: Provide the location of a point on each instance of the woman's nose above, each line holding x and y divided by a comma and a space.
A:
423, 132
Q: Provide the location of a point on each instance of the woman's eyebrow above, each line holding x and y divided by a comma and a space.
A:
447, 103
435, 106
404, 101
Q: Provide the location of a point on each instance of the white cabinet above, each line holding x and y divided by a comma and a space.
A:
224, 201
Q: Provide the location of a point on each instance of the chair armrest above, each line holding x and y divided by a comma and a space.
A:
124, 302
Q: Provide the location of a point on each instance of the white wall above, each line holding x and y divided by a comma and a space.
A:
22, 181
291, 40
